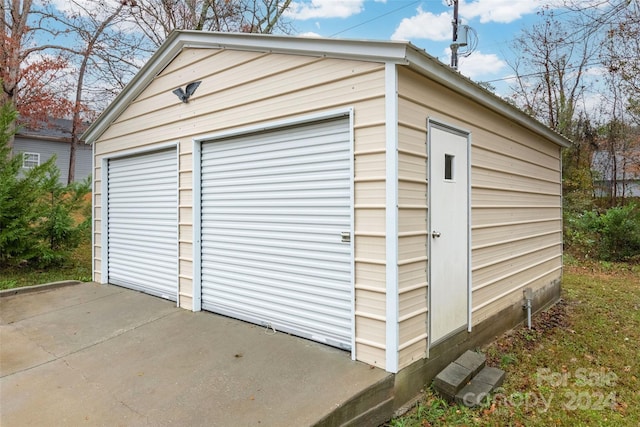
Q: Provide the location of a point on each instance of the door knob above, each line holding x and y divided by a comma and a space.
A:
435, 234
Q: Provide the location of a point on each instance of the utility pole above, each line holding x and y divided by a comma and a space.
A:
454, 44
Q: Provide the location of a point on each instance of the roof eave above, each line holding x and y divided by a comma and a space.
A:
401, 53
378, 51
442, 74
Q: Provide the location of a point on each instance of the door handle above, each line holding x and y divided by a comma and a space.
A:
435, 234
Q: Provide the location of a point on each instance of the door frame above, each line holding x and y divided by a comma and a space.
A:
347, 112
104, 205
435, 123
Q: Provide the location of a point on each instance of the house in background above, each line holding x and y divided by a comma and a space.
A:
625, 168
356, 193
54, 138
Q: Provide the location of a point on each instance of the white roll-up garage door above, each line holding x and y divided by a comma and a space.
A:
143, 223
275, 206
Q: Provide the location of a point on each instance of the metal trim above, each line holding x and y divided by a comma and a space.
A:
391, 220
197, 225
352, 229
275, 125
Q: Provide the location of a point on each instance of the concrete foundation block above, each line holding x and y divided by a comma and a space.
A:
451, 379
472, 361
490, 375
480, 387
473, 394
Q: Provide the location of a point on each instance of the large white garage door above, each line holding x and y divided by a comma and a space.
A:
143, 223
274, 207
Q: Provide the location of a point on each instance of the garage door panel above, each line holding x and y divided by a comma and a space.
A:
297, 271
142, 223
297, 267
293, 293
161, 253
290, 246
303, 313
274, 172
333, 286
274, 206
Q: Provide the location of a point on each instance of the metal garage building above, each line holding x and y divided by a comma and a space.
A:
360, 194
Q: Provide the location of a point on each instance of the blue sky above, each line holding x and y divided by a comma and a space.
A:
426, 24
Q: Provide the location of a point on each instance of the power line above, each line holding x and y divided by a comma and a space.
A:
375, 18
540, 73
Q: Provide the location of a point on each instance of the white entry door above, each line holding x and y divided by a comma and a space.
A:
449, 234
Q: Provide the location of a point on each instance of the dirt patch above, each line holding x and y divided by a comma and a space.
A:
542, 323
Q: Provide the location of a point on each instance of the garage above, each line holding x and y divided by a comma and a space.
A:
357, 193
142, 222
276, 227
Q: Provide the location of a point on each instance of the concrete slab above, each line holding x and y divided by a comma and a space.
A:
104, 355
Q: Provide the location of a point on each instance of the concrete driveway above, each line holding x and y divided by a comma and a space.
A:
95, 354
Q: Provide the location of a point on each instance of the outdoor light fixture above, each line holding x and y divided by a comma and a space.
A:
185, 94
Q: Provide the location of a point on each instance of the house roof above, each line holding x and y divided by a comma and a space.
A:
53, 130
395, 52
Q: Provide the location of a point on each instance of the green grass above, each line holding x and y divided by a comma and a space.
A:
78, 268
578, 366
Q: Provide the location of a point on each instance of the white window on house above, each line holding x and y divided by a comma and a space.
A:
31, 160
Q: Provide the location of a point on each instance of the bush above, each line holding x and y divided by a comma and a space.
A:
611, 236
620, 233
36, 212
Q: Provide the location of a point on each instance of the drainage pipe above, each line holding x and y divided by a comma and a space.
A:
528, 296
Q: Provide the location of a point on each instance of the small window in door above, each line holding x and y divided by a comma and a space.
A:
448, 167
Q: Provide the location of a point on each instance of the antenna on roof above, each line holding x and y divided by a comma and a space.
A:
460, 37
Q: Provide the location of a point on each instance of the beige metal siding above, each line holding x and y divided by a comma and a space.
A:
412, 241
240, 89
515, 201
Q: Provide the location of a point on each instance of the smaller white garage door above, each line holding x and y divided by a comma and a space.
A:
142, 217
274, 207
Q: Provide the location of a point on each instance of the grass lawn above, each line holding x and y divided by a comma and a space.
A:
578, 366
79, 268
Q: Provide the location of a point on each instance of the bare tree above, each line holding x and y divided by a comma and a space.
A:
158, 18
621, 54
101, 44
109, 41
550, 68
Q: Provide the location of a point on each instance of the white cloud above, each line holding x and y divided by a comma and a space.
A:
480, 64
424, 25
309, 34
303, 10
502, 11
